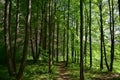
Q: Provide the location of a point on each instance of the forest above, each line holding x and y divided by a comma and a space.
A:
59, 40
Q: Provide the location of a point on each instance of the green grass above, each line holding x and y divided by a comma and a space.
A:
95, 73
33, 71
38, 71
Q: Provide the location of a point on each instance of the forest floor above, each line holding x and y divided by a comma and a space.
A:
106, 76
39, 71
62, 70
66, 74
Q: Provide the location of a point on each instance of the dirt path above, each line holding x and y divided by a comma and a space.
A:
63, 74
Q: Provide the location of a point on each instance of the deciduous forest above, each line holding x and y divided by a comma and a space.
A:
59, 39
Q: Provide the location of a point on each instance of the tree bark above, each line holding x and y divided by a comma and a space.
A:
16, 33
51, 17
90, 39
112, 38
72, 45
102, 39
64, 34
67, 56
7, 20
32, 46
25, 48
86, 35
64, 44
57, 41
81, 41
101, 36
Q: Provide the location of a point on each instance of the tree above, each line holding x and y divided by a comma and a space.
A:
51, 21
72, 44
64, 41
90, 40
112, 36
32, 46
81, 41
7, 20
57, 41
67, 56
43, 30
36, 33
101, 37
16, 33
44, 25
86, 34
25, 48
64, 34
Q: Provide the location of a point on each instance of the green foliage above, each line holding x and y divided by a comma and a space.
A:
38, 71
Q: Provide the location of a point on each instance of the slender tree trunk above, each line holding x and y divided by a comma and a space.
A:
57, 41
101, 36
51, 16
43, 30
72, 41
67, 56
45, 34
36, 35
105, 54
81, 41
53, 41
72, 45
7, 36
64, 44
16, 33
44, 26
32, 46
41, 41
64, 39
25, 48
112, 38
86, 36
102, 39
90, 39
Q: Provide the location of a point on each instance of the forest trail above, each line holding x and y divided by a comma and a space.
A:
63, 74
